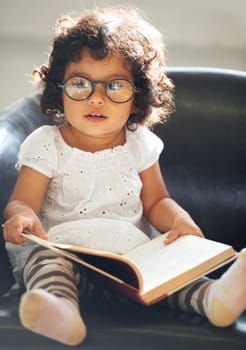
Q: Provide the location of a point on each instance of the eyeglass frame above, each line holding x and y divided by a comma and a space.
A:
93, 83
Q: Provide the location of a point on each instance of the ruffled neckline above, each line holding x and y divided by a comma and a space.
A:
103, 153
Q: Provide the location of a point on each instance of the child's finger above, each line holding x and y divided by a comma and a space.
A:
172, 236
39, 231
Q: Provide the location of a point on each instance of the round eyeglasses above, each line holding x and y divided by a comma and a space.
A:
79, 88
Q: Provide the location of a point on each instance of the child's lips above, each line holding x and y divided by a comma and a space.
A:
95, 117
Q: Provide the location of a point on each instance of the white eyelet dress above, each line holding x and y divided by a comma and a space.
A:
93, 199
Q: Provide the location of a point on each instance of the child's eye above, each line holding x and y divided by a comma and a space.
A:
114, 85
80, 83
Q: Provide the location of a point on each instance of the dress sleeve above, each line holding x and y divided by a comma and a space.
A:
146, 148
38, 151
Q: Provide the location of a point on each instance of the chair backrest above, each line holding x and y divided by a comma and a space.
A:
205, 155
203, 161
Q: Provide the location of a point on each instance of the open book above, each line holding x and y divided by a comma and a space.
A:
153, 270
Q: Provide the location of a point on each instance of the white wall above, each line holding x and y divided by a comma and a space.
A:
197, 33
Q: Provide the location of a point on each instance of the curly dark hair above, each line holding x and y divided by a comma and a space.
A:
118, 30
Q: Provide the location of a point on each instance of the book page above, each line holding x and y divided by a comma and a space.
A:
160, 263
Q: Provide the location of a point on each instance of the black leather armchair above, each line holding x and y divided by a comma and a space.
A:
204, 167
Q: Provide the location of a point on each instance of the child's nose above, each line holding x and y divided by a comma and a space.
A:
98, 95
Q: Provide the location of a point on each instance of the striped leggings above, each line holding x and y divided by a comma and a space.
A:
46, 270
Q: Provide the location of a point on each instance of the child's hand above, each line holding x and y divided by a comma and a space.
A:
20, 223
182, 225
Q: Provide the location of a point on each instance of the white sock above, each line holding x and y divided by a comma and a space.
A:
226, 297
51, 316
